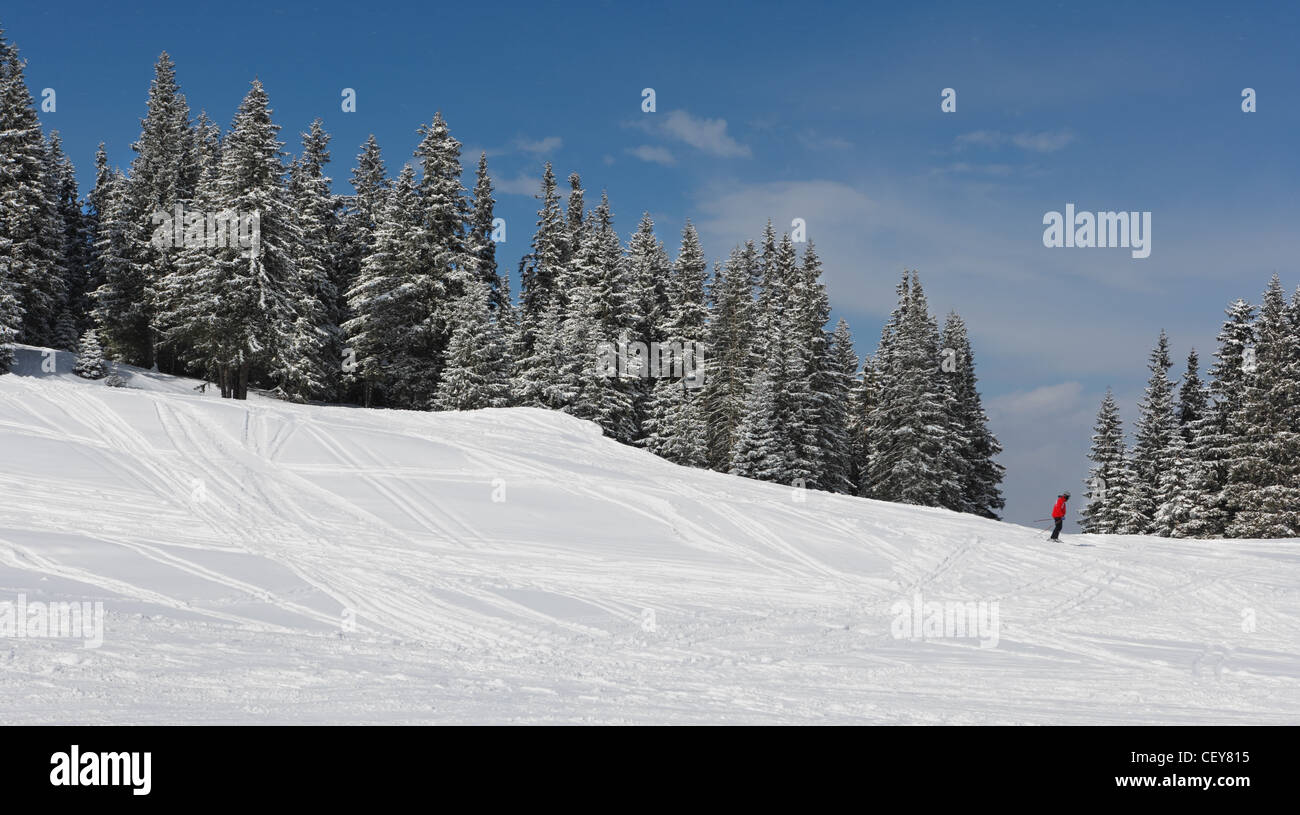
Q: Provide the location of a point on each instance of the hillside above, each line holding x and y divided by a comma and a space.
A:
268, 562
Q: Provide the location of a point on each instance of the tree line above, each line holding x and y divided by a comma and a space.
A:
392, 297
1209, 460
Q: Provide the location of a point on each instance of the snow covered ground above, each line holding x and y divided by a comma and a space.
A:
265, 562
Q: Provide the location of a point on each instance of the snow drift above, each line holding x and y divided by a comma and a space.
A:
266, 562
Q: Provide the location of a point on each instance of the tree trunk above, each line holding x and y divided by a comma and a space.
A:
242, 390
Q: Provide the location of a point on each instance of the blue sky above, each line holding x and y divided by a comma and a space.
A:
828, 112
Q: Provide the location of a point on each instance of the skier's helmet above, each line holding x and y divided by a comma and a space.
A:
1065, 495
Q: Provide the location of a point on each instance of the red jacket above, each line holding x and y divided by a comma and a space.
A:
1058, 511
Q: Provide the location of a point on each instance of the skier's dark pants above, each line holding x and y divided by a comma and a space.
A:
1057, 531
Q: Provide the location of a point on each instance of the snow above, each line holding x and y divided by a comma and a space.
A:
512, 565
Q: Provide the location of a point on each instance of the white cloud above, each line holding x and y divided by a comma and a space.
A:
1048, 400
547, 145
734, 212
656, 155
521, 144
521, 184
982, 138
707, 135
1046, 141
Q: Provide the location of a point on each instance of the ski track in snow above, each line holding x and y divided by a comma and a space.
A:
229, 542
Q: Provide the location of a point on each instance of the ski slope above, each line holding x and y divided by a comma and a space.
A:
261, 562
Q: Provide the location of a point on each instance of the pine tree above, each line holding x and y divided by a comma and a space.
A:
727, 363
1155, 449
165, 171
784, 307
265, 290
309, 368
543, 377
772, 292
1215, 435
838, 413
96, 198
1136, 509
601, 265
574, 380
237, 305
370, 182
74, 239
96, 203
575, 217
190, 293
476, 374
648, 271
1110, 476
207, 146
1263, 480
166, 167
114, 231
1191, 491
1176, 498
1193, 399
385, 302
540, 271
824, 407
481, 245
357, 226
977, 446
878, 419
90, 358
761, 450
30, 233
569, 361
862, 407
675, 427
567, 372
678, 429
445, 265
1171, 491
11, 313
1194, 511
914, 457
599, 302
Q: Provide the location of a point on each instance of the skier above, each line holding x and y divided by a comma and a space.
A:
1058, 514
